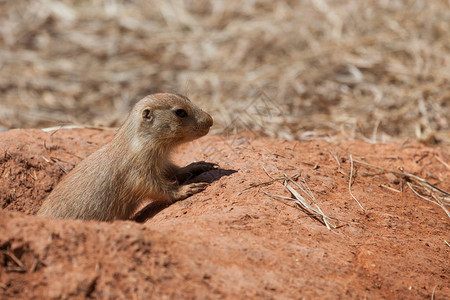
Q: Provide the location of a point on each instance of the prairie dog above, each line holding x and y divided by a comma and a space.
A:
135, 165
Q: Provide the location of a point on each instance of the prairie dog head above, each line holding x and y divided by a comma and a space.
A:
167, 120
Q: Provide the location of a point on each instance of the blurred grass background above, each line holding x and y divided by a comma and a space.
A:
371, 70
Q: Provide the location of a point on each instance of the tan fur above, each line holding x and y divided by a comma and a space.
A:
112, 182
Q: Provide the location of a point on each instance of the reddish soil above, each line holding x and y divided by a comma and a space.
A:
230, 241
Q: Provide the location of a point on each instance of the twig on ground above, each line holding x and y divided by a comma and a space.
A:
308, 213
17, 261
422, 157
441, 161
267, 173
441, 197
14, 258
302, 201
36, 263
307, 203
53, 160
389, 188
350, 184
423, 181
253, 185
362, 244
403, 174
441, 205
310, 164
336, 158
434, 292
56, 163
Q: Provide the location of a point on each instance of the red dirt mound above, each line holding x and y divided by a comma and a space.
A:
233, 240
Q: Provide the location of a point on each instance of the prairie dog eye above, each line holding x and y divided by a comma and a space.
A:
180, 113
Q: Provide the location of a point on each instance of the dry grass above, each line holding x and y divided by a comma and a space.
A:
302, 195
374, 70
350, 185
419, 186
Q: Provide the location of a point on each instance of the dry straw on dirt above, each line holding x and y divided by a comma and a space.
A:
375, 70
419, 186
308, 202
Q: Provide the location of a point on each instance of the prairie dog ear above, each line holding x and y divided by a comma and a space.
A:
147, 115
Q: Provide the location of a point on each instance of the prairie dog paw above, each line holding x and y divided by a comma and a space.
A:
200, 167
191, 189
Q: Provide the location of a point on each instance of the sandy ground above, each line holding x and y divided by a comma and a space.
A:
231, 241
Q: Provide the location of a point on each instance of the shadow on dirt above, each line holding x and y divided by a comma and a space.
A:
155, 207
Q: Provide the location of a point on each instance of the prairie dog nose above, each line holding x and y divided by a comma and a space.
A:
209, 120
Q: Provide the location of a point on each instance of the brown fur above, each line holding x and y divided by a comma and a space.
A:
112, 182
